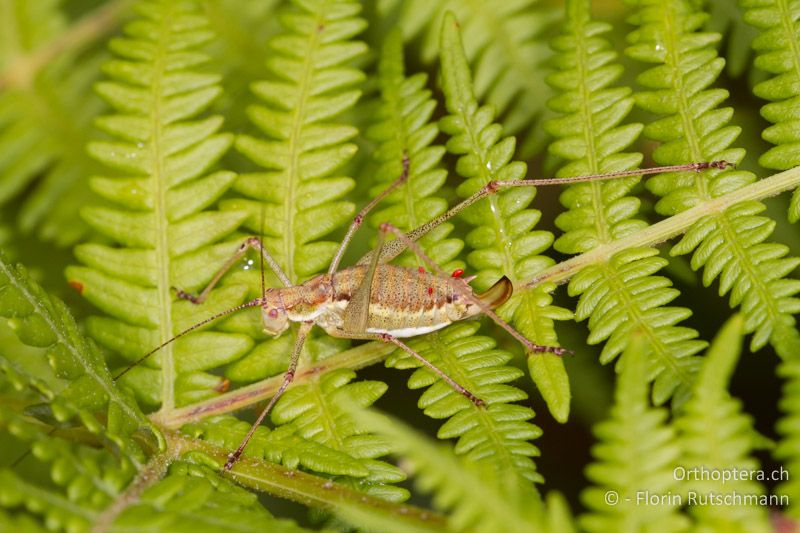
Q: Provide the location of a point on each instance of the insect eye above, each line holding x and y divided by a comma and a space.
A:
273, 313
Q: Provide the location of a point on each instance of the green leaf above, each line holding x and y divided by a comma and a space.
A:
80, 384
503, 242
195, 498
778, 54
299, 192
496, 435
621, 295
165, 203
787, 427
502, 504
404, 129
403, 126
711, 422
166, 155
505, 45
90, 437
636, 455
45, 121
730, 244
310, 410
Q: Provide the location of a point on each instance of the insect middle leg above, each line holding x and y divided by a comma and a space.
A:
391, 339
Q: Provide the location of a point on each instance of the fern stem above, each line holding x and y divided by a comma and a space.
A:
582, 48
670, 227
692, 136
160, 209
295, 150
309, 489
148, 476
21, 72
354, 358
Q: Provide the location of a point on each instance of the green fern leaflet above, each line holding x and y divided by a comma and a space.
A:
142, 142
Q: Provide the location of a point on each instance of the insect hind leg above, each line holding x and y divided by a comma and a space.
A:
391, 339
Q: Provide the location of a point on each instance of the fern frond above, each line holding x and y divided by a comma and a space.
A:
242, 32
789, 427
778, 54
311, 409
727, 19
498, 435
78, 384
162, 236
503, 242
479, 498
81, 404
636, 455
20, 522
621, 295
56, 508
280, 445
195, 498
504, 43
311, 84
298, 193
404, 127
558, 514
45, 122
729, 245
82, 480
714, 434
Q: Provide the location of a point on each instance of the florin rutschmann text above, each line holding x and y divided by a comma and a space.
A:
709, 497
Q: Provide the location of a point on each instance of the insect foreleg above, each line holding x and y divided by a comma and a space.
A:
359, 218
467, 293
288, 377
251, 242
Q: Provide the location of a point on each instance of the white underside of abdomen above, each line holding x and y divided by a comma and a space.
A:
408, 332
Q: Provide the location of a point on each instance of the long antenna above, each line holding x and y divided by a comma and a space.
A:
252, 303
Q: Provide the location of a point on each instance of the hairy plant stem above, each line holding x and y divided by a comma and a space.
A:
304, 488
354, 358
148, 476
21, 72
670, 227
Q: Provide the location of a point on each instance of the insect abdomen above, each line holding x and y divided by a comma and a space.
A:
404, 302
